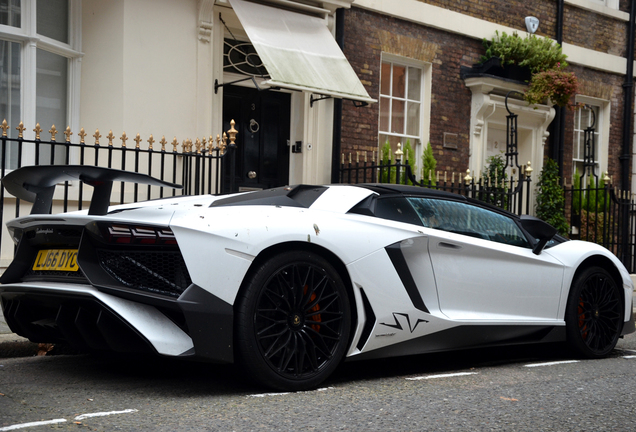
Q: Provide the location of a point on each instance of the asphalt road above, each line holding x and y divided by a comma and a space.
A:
478, 390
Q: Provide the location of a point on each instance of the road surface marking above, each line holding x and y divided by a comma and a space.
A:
32, 424
629, 357
102, 414
260, 395
551, 363
442, 376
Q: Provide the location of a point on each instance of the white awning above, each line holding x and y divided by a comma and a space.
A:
299, 52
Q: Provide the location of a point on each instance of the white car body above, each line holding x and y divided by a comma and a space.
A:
437, 290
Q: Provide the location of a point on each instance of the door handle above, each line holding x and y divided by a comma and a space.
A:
251, 174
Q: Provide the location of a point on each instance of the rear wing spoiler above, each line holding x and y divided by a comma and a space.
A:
36, 184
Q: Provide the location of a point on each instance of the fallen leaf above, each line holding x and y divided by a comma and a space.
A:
509, 399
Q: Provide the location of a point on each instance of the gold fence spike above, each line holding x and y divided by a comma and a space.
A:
37, 130
68, 133
123, 139
137, 140
607, 178
211, 143
184, 146
529, 169
342, 155
110, 137
349, 158
358, 157
232, 132
82, 135
53, 131
150, 141
97, 136
163, 143
4, 127
21, 129
399, 151
197, 145
223, 143
175, 143
468, 178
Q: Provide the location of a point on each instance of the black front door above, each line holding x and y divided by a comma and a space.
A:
262, 122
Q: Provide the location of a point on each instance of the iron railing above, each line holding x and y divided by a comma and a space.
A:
196, 165
510, 192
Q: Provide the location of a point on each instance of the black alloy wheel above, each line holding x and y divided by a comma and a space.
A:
293, 321
594, 314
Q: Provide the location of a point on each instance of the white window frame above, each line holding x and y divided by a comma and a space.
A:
602, 131
30, 41
417, 141
608, 3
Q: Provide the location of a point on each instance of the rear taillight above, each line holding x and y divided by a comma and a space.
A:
137, 234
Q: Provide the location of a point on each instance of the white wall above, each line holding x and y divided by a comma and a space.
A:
139, 72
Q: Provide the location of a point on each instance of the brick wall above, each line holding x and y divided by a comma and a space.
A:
368, 34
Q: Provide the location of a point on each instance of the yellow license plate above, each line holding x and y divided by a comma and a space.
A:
56, 260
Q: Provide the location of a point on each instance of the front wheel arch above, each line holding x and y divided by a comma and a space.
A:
594, 315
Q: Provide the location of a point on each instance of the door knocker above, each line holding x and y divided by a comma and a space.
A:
254, 127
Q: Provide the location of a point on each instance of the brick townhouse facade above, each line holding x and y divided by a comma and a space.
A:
428, 43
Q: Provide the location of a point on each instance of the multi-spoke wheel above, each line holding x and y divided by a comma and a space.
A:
594, 314
293, 321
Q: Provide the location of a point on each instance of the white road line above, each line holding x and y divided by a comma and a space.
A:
102, 414
551, 363
629, 357
260, 395
441, 376
32, 424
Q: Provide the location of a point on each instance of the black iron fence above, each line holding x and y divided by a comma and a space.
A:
510, 192
197, 165
602, 215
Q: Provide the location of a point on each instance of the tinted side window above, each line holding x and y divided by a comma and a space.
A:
466, 219
397, 209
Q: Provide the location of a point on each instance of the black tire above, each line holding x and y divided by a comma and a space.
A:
293, 321
594, 313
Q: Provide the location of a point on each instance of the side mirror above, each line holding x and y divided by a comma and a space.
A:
540, 230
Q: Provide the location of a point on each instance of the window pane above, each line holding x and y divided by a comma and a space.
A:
468, 220
413, 119
397, 117
51, 89
385, 79
385, 106
415, 79
399, 83
10, 12
10, 94
52, 19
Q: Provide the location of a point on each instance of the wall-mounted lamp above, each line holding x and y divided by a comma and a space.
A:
532, 24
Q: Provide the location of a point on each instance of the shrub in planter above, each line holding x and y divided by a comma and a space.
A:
550, 198
429, 164
537, 54
555, 85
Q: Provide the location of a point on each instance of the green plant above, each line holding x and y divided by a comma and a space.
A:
409, 157
538, 54
554, 84
496, 178
550, 198
387, 174
429, 164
